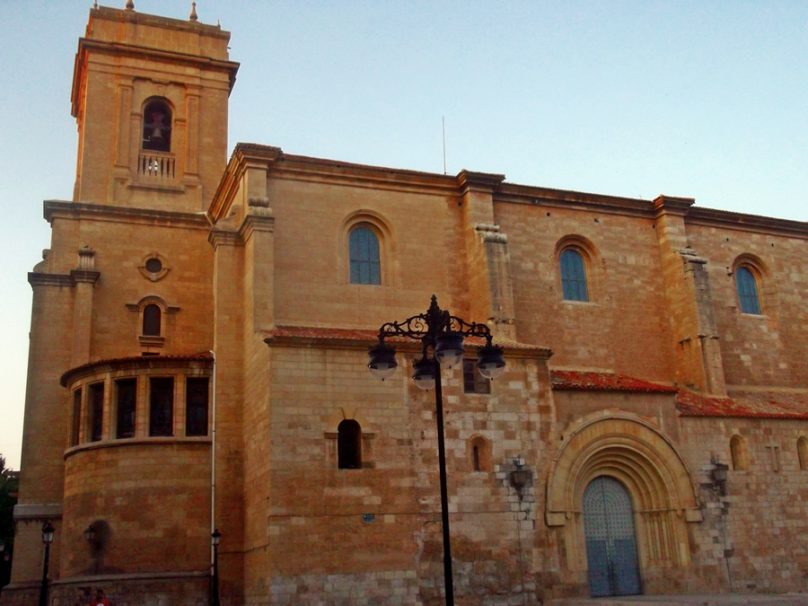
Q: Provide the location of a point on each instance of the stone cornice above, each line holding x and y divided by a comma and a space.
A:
481, 182
730, 220
561, 198
280, 165
42, 279
224, 237
83, 275
37, 511
53, 209
361, 339
255, 223
672, 205
118, 49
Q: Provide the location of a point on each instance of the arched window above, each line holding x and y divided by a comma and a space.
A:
480, 453
349, 445
364, 256
802, 452
151, 320
746, 285
737, 448
157, 126
573, 275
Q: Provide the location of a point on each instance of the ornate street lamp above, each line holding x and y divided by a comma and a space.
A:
47, 538
215, 538
441, 336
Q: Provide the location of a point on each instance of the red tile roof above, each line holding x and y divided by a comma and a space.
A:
573, 380
141, 360
760, 405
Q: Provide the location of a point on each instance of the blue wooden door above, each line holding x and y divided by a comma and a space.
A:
611, 545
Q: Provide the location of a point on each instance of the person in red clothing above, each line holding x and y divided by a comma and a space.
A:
100, 599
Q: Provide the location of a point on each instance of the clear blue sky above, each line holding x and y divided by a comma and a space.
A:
700, 99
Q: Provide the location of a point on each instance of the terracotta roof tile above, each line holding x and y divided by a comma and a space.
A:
761, 405
573, 380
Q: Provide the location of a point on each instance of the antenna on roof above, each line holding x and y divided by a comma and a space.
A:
443, 126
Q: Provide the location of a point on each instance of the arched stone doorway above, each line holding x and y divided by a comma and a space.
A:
637, 455
611, 541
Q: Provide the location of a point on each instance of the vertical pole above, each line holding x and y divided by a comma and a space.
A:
43, 589
215, 600
444, 498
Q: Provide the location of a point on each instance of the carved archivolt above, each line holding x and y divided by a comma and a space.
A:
634, 452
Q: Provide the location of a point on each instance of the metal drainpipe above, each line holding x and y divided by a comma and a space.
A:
212, 457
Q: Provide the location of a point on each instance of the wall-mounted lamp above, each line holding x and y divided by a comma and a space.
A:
718, 474
519, 477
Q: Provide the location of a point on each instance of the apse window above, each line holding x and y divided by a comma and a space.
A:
157, 126
196, 406
363, 251
76, 426
747, 288
473, 381
125, 405
96, 409
349, 445
573, 275
161, 406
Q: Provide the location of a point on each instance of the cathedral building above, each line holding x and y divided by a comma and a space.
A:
199, 360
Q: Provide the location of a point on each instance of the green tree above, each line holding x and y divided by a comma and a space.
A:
9, 481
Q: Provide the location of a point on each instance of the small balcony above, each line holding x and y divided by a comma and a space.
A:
156, 168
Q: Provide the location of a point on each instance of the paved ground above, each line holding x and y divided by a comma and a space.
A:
726, 599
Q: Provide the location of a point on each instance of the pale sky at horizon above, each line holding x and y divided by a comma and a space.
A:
699, 99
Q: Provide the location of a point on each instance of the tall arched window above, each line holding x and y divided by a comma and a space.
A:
573, 275
746, 284
364, 256
157, 125
349, 445
740, 457
151, 320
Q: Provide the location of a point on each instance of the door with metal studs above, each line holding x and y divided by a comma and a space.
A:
611, 543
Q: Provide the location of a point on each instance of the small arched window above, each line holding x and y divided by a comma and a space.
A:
349, 445
746, 285
151, 320
573, 275
480, 453
364, 256
157, 125
802, 452
740, 457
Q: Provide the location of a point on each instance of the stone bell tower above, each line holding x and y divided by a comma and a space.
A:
150, 99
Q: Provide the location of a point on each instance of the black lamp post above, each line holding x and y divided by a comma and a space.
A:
215, 538
441, 337
47, 539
